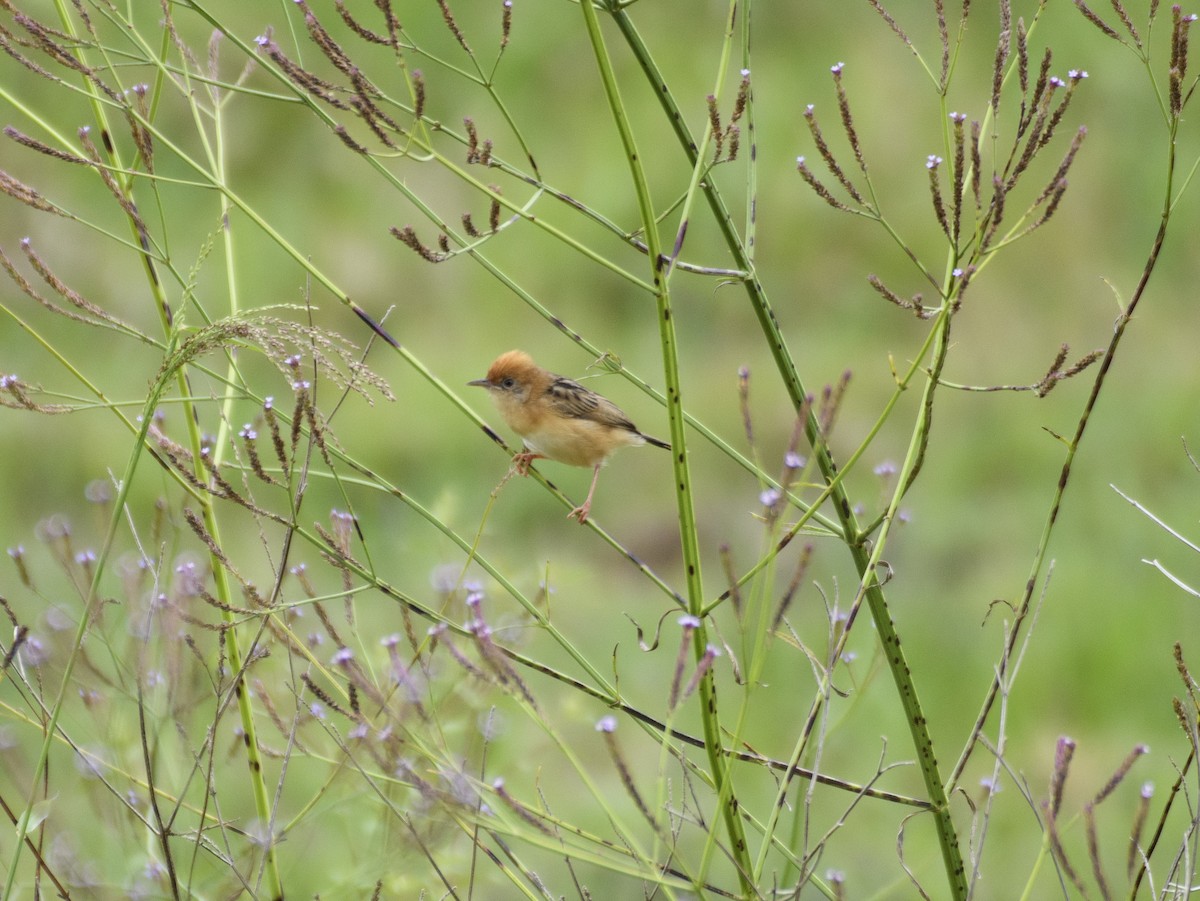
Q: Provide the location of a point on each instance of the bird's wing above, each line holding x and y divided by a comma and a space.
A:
572, 399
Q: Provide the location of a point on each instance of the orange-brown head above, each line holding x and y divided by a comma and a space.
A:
518, 386
513, 373
509, 371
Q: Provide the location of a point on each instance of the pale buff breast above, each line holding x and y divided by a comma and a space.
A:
579, 442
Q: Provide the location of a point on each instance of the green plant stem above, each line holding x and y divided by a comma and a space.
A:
85, 620
719, 766
221, 578
862, 558
396, 182
1039, 557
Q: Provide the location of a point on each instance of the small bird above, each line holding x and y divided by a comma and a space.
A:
558, 419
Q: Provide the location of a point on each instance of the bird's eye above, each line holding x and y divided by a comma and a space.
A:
508, 382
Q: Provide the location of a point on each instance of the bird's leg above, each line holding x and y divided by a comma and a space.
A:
581, 512
523, 460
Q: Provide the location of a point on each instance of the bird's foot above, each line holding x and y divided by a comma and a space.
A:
580, 513
523, 460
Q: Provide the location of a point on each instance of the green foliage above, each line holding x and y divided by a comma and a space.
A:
303, 634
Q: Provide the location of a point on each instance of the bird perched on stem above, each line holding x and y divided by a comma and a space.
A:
558, 419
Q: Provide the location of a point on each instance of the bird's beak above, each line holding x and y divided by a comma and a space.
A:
480, 383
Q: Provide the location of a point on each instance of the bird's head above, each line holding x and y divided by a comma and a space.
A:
511, 375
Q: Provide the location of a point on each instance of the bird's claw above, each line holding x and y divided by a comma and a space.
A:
522, 462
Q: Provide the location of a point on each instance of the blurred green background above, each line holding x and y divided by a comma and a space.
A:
1099, 667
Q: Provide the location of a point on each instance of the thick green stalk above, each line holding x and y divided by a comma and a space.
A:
856, 543
719, 765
